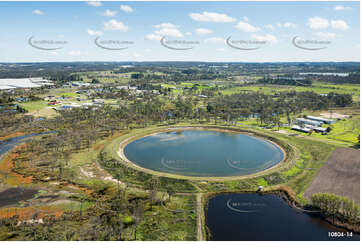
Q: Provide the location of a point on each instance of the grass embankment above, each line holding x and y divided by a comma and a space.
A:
305, 158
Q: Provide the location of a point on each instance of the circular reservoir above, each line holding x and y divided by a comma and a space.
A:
204, 153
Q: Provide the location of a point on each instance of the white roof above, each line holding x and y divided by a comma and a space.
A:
11, 83
300, 128
320, 118
3, 87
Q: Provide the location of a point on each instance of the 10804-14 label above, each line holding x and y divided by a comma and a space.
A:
339, 234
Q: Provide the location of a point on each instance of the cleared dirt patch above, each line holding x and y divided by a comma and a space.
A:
334, 115
340, 175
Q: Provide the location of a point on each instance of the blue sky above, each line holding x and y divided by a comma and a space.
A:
335, 25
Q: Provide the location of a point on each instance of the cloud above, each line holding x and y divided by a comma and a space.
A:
109, 13
188, 33
215, 40
246, 27
94, 3
245, 18
340, 8
38, 12
115, 25
317, 23
202, 31
325, 35
339, 24
269, 26
211, 17
94, 33
286, 25
153, 37
74, 52
164, 29
165, 25
126, 8
172, 32
267, 37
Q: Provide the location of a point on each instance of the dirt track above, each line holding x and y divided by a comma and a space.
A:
340, 175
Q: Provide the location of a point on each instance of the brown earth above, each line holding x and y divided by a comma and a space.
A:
340, 175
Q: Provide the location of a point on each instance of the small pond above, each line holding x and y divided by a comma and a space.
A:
249, 217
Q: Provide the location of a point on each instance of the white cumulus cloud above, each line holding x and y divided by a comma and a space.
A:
167, 29
269, 38
246, 27
317, 23
164, 29
94, 33
94, 3
339, 24
115, 25
202, 31
172, 32
165, 25
109, 13
211, 17
340, 8
153, 37
126, 8
287, 25
38, 12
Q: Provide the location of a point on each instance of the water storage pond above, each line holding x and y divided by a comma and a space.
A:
249, 217
204, 153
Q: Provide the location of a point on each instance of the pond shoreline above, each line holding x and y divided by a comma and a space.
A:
287, 197
124, 143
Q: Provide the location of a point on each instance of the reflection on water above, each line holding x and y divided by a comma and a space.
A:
8, 144
204, 153
249, 217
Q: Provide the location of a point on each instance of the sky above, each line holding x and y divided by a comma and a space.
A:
179, 31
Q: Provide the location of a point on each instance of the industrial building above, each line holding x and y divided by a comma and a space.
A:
303, 121
34, 82
320, 119
299, 128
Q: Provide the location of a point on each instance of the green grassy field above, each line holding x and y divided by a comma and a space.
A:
34, 105
319, 88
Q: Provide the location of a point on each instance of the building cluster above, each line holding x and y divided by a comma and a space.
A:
312, 123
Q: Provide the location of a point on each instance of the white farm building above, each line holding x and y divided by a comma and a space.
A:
320, 119
12, 83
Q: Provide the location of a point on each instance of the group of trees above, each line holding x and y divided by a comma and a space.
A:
289, 81
335, 206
